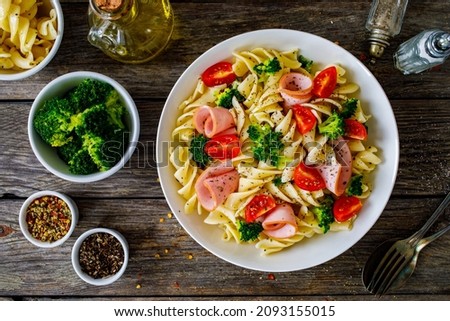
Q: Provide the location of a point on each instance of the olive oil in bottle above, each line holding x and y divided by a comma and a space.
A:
130, 31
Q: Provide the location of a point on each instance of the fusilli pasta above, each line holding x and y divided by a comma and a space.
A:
25, 38
263, 104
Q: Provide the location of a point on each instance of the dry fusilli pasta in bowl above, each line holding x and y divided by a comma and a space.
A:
30, 35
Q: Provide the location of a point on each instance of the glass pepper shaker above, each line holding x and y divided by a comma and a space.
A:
130, 31
427, 49
384, 22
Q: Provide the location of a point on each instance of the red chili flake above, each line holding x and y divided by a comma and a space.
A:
362, 57
48, 218
271, 276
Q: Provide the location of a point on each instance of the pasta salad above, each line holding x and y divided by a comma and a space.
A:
272, 149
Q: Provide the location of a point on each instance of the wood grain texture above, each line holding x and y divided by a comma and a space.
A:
132, 201
423, 169
193, 35
160, 258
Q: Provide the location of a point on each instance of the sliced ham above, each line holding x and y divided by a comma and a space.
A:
290, 101
215, 184
211, 121
295, 84
229, 131
280, 222
338, 171
295, 88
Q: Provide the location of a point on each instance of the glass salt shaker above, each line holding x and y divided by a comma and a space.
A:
427, 49
130, 31
384, 22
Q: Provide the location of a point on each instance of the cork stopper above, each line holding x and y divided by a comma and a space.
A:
109, 5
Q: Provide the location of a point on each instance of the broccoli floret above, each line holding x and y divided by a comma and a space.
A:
267, 68
104, 152
333, 126
89, 92
109, 110
225, 97
197, 149
349, 107
324, 213
277, 181
86, 125
94, 145
354, 187
92, 153
115, 146
115, 109
101, 137
306, 63
102, 118
94, 120
267, 144
257, 132
82, 164
67, 151
249, 231
52, 122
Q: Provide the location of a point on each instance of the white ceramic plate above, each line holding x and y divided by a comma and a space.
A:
383, 134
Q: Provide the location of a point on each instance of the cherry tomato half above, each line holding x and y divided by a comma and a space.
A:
305, 119
258, 206
223, 147
218, 74
354, 129
325, 82
308, 178
346, 207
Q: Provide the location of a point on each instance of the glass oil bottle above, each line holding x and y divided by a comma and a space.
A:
130, 31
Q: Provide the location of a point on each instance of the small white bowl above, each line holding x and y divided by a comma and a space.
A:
21, 74
76, 259
47, 155
24, 225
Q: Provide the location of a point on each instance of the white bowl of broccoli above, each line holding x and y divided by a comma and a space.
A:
83, 126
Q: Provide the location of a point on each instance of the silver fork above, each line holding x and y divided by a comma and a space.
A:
399, 254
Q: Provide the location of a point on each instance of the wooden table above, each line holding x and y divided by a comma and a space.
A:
166, 263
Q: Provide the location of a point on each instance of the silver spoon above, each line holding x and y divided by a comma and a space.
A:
408, 270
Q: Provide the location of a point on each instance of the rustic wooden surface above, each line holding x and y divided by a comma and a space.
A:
132, 202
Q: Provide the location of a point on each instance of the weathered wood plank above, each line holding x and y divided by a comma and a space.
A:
368, 297
231, 18
424, 133
424, 155
31, 271
132, 201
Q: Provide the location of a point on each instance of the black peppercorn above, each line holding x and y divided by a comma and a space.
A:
101, 255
